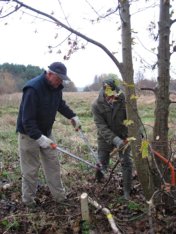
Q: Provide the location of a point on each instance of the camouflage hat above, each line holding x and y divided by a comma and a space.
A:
110, 87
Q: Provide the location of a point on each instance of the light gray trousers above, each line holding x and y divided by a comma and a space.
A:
31, 158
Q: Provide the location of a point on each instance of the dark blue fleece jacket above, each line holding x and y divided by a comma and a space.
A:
39, 106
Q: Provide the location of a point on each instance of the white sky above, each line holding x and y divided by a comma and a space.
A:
21, 45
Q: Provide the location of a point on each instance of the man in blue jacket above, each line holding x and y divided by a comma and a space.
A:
41, 100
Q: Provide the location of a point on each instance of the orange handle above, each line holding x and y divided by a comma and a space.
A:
171, 167
53, 146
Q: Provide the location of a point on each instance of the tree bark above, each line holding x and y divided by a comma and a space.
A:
160, 133
141, 164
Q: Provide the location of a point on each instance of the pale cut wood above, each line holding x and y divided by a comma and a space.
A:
85, 212
84, 207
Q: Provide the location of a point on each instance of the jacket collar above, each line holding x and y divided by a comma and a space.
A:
102, 101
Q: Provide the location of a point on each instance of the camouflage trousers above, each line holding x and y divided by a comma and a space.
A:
126, 163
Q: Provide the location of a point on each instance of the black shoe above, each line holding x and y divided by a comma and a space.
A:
32, 206
99, 176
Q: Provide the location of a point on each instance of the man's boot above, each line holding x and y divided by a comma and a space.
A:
103, 157
127, 194
99, 176
126, 173
127, 182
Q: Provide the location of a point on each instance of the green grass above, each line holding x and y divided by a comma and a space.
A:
146, 113
11, 111
14, 225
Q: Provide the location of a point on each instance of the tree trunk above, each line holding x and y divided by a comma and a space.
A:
141, 164
160, 133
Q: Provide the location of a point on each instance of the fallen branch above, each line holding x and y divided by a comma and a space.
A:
107, 213
110, 176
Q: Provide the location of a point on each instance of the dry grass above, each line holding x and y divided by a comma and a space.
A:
8, 120
10, 100
147, 100
80, 102
14, 99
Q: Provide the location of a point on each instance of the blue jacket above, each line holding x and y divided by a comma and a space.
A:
39, 106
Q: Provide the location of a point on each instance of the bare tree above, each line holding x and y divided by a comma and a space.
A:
160, 133
161, 92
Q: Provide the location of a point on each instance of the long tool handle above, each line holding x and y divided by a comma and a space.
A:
72, 155
88, 145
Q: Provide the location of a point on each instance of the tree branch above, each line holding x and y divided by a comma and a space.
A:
173, 21
16, 9
150, 89
110, 12
59, 23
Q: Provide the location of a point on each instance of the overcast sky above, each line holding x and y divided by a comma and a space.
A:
25, 40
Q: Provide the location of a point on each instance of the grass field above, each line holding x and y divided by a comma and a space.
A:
65, 135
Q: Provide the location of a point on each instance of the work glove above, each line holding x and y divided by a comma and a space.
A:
118, 142
76, 123
44, 142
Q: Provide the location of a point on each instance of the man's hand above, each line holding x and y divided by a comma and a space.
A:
44, 142
76, 123
119, 143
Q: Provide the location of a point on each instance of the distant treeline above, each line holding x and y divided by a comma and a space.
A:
141, 82
14, 76
98, 80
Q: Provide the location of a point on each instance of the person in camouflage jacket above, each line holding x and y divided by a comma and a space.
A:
109, 113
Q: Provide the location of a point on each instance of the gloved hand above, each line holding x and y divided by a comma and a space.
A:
76, 122
44, 142
118, 142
